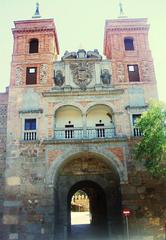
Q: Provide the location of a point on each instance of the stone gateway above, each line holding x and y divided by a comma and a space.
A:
69, 126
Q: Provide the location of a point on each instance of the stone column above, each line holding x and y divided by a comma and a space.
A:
84, 123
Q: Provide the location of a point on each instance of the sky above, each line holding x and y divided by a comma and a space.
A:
80, 24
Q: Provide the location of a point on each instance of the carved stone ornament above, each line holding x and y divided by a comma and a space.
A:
105, 76
121, 72
43, 73
59, 79
82, 73
19, 76
145, 67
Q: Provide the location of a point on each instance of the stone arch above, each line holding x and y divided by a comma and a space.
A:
108, 157
70, 115
61, 105
100, 115
110, 106
103, 180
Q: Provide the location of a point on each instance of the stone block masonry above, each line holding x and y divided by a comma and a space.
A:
3, 127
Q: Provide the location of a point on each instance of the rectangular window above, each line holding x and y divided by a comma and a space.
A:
31, 75
30, 124
30, 129
135, 118
133, 73
128, 42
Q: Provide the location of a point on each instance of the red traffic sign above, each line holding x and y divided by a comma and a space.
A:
126, 212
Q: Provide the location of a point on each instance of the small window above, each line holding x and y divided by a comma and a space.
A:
30, 129
128, 43
31, 75
133, 73
135, 118
33, 46
30, 124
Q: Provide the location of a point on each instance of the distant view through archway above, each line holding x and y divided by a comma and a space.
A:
80, 211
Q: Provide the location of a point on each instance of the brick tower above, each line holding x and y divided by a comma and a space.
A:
35, 49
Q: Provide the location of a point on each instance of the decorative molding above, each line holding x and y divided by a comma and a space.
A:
120, 72
43, 73
31, 111
89, 92
136, 107
19, 76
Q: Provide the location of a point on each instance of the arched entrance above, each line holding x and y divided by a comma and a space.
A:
93, 174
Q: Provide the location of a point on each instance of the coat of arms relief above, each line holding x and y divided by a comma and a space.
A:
82, 73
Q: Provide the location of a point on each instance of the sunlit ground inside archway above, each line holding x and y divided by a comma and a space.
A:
80, 218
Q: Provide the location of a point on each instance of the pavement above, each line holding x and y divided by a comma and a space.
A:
81, 228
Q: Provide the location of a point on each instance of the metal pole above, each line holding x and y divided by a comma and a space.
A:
127, 228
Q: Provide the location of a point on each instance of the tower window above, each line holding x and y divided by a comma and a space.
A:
33, 46
31, 75
133, 73
128, 43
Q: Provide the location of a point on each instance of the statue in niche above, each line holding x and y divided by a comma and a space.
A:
59, 79
105, 77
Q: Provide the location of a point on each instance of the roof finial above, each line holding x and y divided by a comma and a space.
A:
121, 9
37, 13
121, 14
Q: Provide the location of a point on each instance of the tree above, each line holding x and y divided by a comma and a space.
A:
151, 149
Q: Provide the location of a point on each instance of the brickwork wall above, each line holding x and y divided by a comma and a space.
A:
3, 126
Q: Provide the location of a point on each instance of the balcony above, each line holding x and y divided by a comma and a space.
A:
137, 132
30, 135
80, 133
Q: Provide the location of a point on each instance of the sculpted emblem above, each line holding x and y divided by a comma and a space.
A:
82, 73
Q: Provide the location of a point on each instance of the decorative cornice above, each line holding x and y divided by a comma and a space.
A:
42, 29
31, 111
136, 107
88, 92
123, 29
82, 141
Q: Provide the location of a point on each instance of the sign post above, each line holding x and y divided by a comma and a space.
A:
126, 214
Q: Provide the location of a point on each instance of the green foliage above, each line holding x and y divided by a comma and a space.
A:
152, 147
